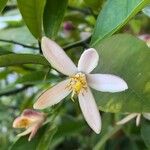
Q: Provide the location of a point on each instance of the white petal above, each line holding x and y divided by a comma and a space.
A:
90, 110
57, 57
127, 118
146, 115
106, 82
88, 60
52, 96
138, 119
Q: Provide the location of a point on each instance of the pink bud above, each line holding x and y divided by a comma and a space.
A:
30, 120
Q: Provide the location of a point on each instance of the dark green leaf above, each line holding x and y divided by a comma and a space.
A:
35, 77
69, 127
32, 12
20, 34
2, 4
145, 133
20, 59
53, 16
46, 139
114, 15
4, 52
127, 57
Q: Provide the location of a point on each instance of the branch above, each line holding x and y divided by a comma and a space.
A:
84, 11
15, 91
83, 43
14, 42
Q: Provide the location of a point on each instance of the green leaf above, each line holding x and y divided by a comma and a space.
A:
20, 34
69, 127
53, 16
20, 59
40, 142
36, 77
4, 52
127, 57
145, 130
106, 136
46, 139
114, 15
32, 12
2, 4
3, 74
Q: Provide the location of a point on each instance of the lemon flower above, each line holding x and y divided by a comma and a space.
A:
134, 115
31, 120
78, 82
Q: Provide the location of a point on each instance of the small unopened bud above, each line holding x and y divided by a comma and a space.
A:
30, 120
68, 26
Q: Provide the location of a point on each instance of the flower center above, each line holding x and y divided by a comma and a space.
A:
77, 83
24, 123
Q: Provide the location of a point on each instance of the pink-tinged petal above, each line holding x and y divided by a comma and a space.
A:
138, 119
146, 115
34, 131
53, 95
57, 57
88, 60
127, 119
90, 110
106, 82
34, 115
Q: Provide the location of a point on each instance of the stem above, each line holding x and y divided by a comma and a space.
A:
40, 48
82, 43
84, 11
15, 91
18, 43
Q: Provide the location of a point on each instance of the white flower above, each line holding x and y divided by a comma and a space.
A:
134, 115
31, 120
78, 82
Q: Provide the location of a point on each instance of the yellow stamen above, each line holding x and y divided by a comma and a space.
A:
24, 123
77, 83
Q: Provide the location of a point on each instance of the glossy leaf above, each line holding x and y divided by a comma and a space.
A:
145, 130
127, 57
114, 15
20, 59
53, 16
20, 34
36, 77
2, 4
32, 12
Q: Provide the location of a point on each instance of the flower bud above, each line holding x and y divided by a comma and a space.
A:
30, 120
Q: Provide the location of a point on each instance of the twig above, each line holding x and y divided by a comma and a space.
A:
15, 91
14, 42
40, 48
84, 11
83, 43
